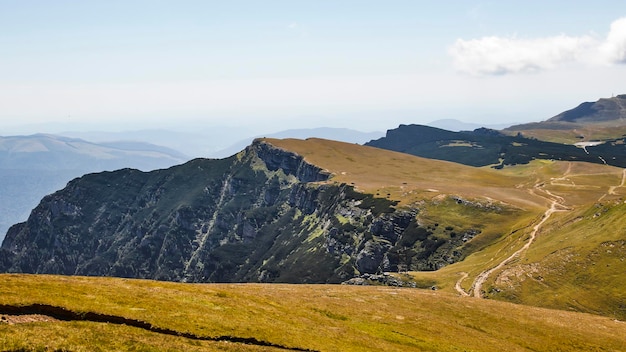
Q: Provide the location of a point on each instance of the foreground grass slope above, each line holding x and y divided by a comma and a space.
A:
314, 317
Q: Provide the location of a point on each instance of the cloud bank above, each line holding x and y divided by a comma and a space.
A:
498, 56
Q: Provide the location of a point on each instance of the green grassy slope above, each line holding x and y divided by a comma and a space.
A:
576, 264
571, 133
407, 178
577, 260
314, 317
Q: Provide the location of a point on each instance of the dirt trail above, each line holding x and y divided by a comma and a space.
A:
613, 188
556, 204
458, 287
476, 289
26, 318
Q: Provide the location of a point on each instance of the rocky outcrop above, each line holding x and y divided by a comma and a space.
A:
258, 216
290, 163
384, 279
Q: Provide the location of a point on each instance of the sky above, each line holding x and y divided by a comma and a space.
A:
277, 64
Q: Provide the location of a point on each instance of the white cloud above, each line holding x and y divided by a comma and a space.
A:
498, 55
614, 47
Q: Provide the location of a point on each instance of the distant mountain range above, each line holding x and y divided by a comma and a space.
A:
193, 145
46, 151
593, 132
457, 126
32, 166
604, 110
220, 142
336, 134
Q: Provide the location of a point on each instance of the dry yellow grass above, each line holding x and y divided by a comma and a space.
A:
316, 317
408, 178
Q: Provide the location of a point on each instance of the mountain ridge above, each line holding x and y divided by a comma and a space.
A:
257, 216
603, 110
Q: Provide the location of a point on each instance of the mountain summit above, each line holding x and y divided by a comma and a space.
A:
603, 110
603, 120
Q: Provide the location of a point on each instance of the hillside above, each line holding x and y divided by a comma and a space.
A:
86, 314
34, 166
603, 120
568, 252
571, 257
606, 110
484, 147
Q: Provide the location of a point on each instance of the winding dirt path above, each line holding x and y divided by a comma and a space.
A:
458, 287
476, 289
613, 188
556, 204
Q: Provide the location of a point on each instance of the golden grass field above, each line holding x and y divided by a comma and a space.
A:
575, 263
314, 317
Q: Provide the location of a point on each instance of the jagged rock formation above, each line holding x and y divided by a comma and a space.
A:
259, 216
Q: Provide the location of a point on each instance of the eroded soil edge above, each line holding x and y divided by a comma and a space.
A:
63, 314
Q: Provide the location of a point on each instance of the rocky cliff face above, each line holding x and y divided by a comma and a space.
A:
259, 216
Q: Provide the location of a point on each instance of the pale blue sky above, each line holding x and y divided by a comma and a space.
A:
272, 65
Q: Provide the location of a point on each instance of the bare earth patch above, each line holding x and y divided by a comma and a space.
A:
27, 318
